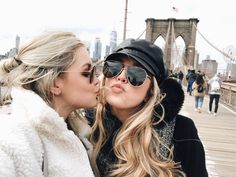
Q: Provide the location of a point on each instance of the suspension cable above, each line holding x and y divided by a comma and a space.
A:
142, 33
232, 59
179, 60
180, 57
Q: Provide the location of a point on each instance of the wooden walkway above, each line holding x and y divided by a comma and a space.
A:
218, 135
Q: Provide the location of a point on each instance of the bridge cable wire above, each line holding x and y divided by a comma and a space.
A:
181, 58
232, 59
142, 33
167, 40
175, 48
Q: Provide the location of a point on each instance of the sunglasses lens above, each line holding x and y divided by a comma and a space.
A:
136, 75
111, 69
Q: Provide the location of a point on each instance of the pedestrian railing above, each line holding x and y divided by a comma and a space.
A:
228, 94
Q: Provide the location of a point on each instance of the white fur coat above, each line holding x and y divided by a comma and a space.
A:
21, 135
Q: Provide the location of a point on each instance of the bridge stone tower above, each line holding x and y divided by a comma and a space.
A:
170, 29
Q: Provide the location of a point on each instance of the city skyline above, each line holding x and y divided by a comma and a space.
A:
90, 19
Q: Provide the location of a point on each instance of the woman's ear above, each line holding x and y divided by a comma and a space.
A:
148, 96
56, 87
149, 92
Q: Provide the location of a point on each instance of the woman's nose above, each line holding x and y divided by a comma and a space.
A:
96, 81
122, 76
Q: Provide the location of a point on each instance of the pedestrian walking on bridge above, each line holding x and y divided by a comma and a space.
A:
214, 93
199, 91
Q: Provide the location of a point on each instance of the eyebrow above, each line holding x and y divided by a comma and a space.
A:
86, 66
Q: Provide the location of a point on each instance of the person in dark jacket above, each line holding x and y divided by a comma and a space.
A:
137, 130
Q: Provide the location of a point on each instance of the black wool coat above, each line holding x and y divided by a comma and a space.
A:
188, 148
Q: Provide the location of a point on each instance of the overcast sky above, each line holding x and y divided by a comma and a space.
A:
97, 18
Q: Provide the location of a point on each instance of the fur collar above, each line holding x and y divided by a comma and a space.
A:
174, 98
28, 106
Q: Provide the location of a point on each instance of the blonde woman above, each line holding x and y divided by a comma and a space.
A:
52, 78
135, 135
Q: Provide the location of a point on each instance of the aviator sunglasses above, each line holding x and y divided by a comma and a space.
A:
90, 74
135, 75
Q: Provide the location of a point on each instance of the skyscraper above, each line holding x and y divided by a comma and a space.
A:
13, 51
113, 41
87, 45
97, 49
107, 50
17, 42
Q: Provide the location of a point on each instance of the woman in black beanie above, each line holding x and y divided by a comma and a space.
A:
137, 130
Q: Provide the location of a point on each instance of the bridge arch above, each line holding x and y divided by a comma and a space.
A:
170, 29
160, 41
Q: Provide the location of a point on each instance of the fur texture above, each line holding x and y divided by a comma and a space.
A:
22, 133
174, 98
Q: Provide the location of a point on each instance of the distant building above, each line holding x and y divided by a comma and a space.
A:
2, 57
13, 51
97, 49
87, 45
107, 50
231, 70
113, 41
231, 67
17, 42
209, 66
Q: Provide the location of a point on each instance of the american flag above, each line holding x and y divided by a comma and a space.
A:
175, 9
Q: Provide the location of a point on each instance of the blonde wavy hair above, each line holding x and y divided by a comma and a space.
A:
137, 144
40, 62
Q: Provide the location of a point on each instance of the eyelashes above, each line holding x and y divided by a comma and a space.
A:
86, 74
90, 74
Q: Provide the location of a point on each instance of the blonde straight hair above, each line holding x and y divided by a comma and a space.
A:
137, 145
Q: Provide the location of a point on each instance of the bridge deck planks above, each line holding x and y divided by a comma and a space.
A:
218, 135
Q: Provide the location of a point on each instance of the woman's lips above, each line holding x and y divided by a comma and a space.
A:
117, 88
